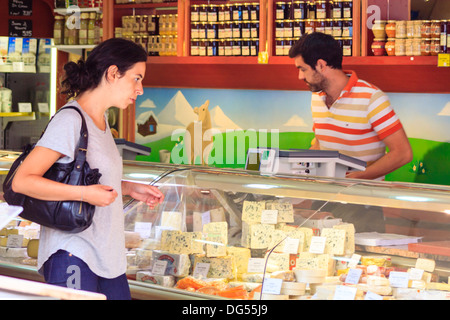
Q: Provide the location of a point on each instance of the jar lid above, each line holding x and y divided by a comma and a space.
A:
391, 39
380, 39
391, 21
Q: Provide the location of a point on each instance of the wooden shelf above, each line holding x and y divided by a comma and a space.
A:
146, 5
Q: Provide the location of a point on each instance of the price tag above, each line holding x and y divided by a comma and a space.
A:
398, 279
353, 276
372, 296
18, 66
291, 245
25, 107
255, 265
272, 285
344, 293
143, 228
159, 229
444, 60
354, 260
415, 274
206, 217
317, 244
43, 107
269, 216
14, 241
159, 267
201, 270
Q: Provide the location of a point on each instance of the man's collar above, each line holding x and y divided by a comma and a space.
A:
351, 81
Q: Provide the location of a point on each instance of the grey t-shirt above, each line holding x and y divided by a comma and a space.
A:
102, 245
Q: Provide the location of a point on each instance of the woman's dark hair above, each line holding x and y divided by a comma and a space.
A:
315, 46
83, 76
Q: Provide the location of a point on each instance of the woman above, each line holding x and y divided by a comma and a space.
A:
94, 259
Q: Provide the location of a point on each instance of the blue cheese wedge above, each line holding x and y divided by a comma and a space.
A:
216, 235
252, 211
241, 257
278, 240
277, 262
171, 219
260, 235
219, 267
296, 233
177, 264
335, 241
284, 208
349, 236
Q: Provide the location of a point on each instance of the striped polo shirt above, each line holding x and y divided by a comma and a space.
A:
357, 122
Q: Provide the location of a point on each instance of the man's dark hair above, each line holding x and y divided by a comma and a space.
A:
315, 46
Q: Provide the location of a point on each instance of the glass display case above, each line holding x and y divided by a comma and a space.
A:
235, 234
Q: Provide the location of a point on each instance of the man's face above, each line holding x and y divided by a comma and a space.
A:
314, 79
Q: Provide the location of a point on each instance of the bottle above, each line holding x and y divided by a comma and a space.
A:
58, 30
91, 28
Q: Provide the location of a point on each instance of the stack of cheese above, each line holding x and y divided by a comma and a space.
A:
13, 246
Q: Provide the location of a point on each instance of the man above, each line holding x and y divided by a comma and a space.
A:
350, 115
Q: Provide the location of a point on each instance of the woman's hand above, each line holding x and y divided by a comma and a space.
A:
151, 195
98, 195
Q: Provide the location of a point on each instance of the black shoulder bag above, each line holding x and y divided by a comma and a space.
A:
71, 216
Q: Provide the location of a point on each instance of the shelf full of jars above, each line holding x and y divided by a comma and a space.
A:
410, 38
230, 29
295, 18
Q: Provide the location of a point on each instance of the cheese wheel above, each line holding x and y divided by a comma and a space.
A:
268, 296
425, 264
32, 248
310, 276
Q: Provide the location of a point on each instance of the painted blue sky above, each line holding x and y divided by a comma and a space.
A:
258, 109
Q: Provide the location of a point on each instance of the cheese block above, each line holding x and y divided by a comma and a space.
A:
177, 264
241, 258
286, 275
197, 221
277, 262
132, 240
4, 241
268, 296
284, 208
335, 241
147, 276
277, 239
438, 286
168, 238
253, 277
256, 235
249, 286
377, 281
308, 232
171, 219
7, 231
186, 243
216, 233
293, 288
349, 236
143, 258
380, 290
13, 252
33, 248
425, 264
219, 267
217, 215
380, 261
252, 211
311, 261
310, 276
296, 233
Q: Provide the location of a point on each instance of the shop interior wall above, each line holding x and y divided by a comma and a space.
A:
164, 114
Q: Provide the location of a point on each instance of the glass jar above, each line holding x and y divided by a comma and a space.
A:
416, 46
329, 26
435, 47
136, 24
347, 9
320, 25
58, 30
213, 13
228, 29
310, 25
287, 46
280, 8
254, 47
337, 27
246, 11
390, 29
408, 46
347, 46
443, 37
236, 12
202, 30
221, 13
288, 29
448, 36
203, 13
221, 30
212, 30
228, 47
300, 9
211, 50
400, 49
298, 28
203, 47
144, 25
195, 13
279, 28
390, 47
84, 25
378, 47
425, 47
153, 25
337, 9
323, 9
311, 10
195, 47
400, 29
237, 30
279, 44
410, 29
435, 29
228, 13
347, 28
246, 27
254, 12
417, 33
245, 47
425, 29
221, 48
379, 29
254, 32
237, 49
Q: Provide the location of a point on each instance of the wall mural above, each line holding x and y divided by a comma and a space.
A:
216, 126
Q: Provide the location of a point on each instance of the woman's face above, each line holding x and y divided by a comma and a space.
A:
129, 85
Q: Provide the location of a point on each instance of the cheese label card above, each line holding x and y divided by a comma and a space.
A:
256, 265
206, 217
291, 245
143, 228
201, 270
398, 279
354, 260
353, 276
415, 274
272, 285
372, 296
159, 267
269, 216
14, 241
317, 244
344, 293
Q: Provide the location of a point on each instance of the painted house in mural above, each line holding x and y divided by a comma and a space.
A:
147, 124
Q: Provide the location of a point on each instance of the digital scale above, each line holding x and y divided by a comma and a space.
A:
325, 163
